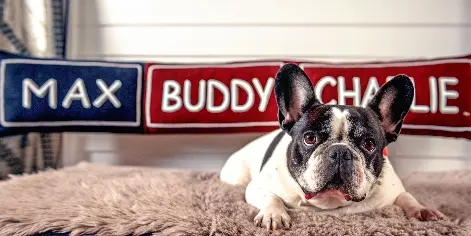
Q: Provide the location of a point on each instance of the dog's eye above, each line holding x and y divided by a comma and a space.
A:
309, 138
369, 145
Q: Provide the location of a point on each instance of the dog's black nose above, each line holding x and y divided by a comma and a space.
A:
340, 152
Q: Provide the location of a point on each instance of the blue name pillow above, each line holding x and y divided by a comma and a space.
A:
46, 95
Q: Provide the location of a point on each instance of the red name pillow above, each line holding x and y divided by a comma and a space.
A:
239, 97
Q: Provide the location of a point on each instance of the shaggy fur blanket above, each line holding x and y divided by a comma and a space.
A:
112, 200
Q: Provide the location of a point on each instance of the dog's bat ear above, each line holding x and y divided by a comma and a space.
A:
294, 93
392, 103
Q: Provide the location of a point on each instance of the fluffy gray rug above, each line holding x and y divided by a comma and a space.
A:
111, 200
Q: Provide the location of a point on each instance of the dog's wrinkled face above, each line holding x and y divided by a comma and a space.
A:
336, 151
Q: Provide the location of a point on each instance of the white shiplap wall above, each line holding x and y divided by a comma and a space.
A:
215, 30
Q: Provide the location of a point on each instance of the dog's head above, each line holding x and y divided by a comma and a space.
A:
336, 151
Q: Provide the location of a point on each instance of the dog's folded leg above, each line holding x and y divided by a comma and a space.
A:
272, 213
413, 209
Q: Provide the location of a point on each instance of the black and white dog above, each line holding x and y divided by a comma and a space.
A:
326, 158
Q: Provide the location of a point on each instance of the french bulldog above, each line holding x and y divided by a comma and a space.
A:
325, 158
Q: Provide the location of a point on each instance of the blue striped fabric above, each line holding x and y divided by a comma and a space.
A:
59, 15
9, 34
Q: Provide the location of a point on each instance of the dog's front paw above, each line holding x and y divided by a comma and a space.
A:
425, 214
272, 218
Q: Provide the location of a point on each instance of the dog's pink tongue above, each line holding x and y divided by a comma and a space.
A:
328, 192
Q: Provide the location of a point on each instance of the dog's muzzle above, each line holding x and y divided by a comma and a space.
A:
341, 172
343, 164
